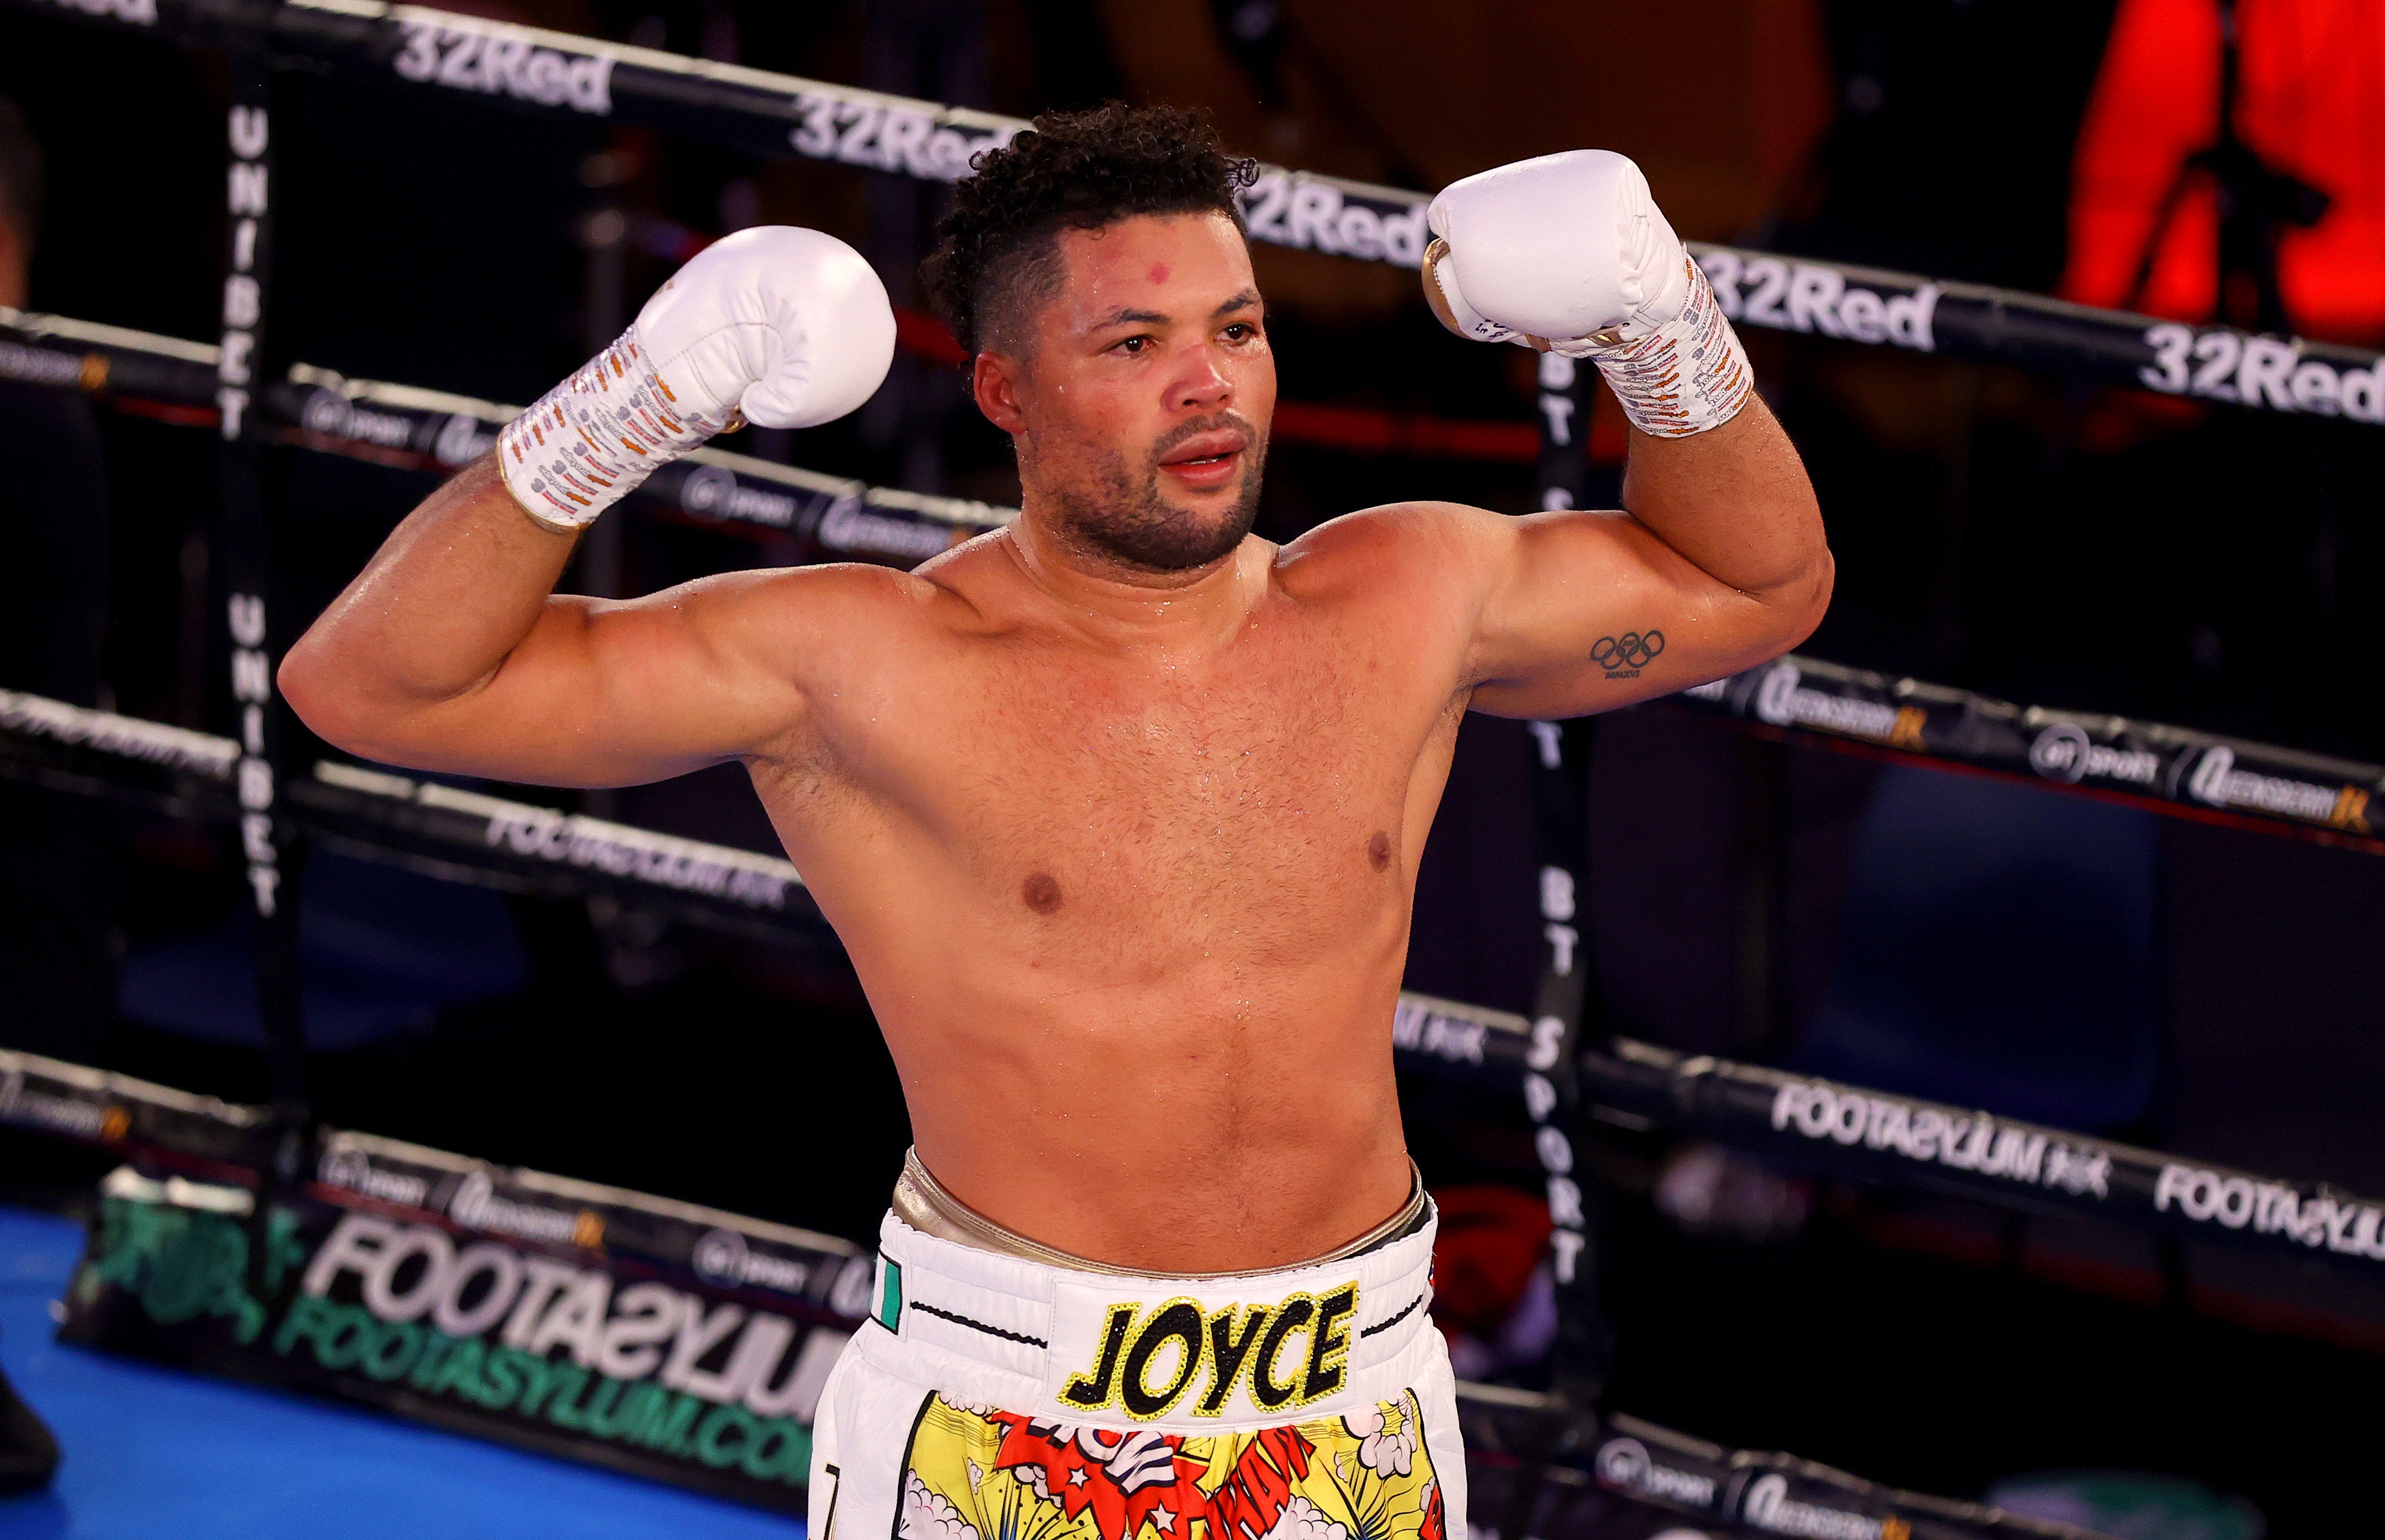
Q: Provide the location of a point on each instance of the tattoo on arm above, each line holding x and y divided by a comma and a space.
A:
1624, 656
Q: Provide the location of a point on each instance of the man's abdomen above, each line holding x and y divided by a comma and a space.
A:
1163, 1129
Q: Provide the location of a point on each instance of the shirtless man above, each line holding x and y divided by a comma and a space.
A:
1117, 809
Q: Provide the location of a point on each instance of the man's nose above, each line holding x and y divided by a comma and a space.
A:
1199, 384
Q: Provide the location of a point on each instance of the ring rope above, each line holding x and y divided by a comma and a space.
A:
1876, 1135
2177, 771
773, 116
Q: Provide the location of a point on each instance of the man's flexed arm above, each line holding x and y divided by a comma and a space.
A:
1719, 565
1721, 561
450, 651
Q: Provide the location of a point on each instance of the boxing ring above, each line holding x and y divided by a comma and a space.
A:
254, 1242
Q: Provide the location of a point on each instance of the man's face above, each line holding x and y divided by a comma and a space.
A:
1140, 405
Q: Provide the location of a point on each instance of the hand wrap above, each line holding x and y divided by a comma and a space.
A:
1683, 377
592, 438
777, 326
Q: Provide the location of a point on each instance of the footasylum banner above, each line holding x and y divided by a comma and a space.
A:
682, 1344
654, 1337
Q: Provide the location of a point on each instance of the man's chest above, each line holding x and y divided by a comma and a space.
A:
1274, 778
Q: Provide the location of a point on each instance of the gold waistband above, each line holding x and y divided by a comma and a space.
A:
921, 1202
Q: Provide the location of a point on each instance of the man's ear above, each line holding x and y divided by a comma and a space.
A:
994, 380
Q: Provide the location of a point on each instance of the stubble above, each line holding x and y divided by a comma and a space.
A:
1118, 514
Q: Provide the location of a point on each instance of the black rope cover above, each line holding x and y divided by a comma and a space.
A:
2170, 769
774, 117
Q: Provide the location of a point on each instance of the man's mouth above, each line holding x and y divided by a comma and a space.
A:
1208, 461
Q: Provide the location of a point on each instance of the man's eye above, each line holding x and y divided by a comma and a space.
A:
1134, 344
1242, 331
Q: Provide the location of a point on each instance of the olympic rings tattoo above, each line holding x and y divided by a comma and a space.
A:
1627, 653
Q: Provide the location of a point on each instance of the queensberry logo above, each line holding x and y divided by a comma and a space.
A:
477, 1203
2215, 780
73, 1115
1149, 1359
1769, 1506
1782, 700
845, 525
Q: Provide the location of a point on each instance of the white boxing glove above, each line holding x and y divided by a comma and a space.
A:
1568, 253
788, 327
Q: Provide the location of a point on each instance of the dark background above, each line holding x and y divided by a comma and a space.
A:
2213, 992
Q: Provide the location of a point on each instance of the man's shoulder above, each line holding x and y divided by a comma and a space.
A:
939, 583
800, 613
1397, 543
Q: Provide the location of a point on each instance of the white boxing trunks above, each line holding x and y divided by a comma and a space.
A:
996, 1397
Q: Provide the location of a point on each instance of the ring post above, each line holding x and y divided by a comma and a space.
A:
1760, 874
1563, 1003
271, 844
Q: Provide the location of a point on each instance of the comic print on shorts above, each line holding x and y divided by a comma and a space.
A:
973, 1473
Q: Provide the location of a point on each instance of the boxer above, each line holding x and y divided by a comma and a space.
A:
1117, 809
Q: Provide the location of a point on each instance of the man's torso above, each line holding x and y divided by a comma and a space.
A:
1133, 920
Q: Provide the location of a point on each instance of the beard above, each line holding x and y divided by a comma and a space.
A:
1118, 514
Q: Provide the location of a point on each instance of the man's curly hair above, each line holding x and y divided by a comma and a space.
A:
1070, 171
